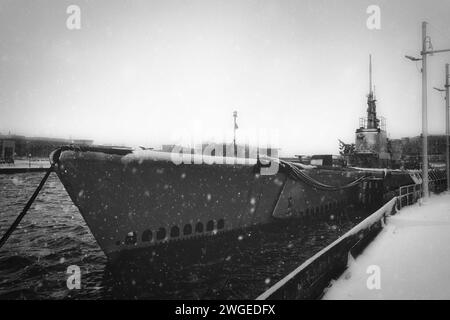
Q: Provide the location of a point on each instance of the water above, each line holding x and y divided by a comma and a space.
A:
53, 236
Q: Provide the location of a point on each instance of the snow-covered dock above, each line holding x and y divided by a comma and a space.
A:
409, 259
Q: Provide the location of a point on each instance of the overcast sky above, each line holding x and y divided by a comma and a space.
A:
146, 72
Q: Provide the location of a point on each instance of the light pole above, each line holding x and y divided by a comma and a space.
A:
424, 112
424, 54
447, 125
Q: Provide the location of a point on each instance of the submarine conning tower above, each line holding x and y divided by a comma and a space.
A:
371, 143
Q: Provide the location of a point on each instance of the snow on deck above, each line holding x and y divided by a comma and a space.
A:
410, 258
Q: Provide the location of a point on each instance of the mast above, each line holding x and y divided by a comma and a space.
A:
370, 75
372, 121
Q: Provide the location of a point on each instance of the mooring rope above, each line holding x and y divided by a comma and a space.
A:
295, 173
25, 209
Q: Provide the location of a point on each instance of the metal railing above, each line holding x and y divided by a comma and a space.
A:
438, 185
310, 279
381, 123
312, 276
408, 195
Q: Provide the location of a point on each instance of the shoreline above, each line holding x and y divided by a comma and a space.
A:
12, 170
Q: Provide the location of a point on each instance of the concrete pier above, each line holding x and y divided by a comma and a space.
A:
21, 166
409, 259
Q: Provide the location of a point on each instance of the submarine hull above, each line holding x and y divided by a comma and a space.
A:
143, 200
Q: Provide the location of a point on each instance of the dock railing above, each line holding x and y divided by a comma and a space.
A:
408, 195
309, 279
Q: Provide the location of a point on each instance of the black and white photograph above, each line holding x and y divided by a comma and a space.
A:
224, 155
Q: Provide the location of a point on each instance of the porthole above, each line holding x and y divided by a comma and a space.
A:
187, 230
175, 232
210, 225
220, 224
161, 234
147, 236
199, 227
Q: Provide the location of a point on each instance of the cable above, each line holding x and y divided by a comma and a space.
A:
295, 173
25, 209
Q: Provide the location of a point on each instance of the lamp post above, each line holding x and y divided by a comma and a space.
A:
447, 126
424, 53
424, 112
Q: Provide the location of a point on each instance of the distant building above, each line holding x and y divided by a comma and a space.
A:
15, 146
7, 150
408, 151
